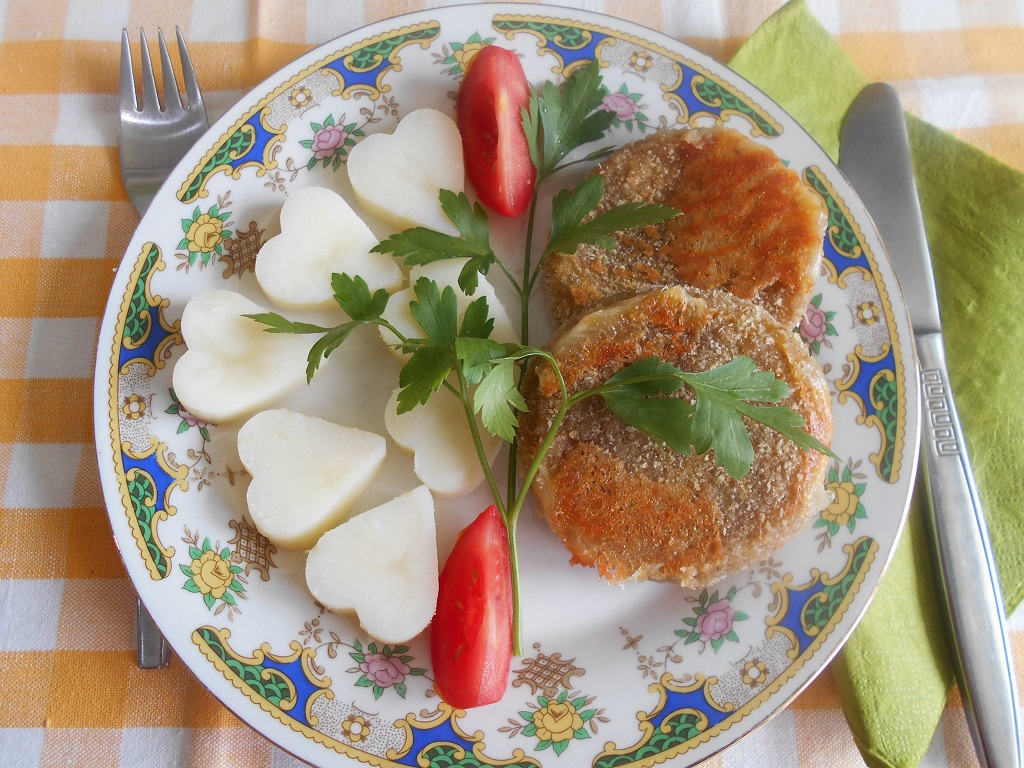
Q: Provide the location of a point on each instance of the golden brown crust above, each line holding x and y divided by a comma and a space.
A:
637, 510
748, 225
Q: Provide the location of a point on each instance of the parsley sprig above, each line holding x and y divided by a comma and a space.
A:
560, 120
457, 354
713, 422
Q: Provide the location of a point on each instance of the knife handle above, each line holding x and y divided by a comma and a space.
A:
970, 582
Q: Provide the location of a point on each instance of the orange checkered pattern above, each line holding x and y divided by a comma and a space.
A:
72, 693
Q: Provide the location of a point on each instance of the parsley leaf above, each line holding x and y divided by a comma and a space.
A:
332, 337
470, 220
353, 295
788, 423
326, 344
723, 395
667, 419
647, 377
420, 245
570, 208
496, 399
558, 120
633, 393
477, 356
741, 377
436, 311
492, 366
423, 374
476, 320
721, 430
277, 324
730, 391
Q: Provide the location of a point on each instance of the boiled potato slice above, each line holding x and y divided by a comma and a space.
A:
320, 235
382, 564
232, 367
438, 436
306, 473
397, 177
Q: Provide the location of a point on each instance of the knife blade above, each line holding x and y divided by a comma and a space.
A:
875, 156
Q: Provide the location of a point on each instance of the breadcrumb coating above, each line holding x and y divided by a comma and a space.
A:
635, 509
748, 224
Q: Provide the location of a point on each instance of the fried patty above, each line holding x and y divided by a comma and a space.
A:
637, 510
748, 225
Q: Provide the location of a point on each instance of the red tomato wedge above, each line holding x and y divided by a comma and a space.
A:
471, 634
488, 111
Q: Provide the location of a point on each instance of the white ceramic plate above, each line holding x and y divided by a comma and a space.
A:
634, 675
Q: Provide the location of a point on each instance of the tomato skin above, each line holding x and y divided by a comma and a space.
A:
488, 109
471, 634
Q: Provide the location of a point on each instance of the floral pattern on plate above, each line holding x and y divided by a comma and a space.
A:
663, 674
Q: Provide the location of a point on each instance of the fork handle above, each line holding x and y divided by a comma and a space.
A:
154, 653
970, 582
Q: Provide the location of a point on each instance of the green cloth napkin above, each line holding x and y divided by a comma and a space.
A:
894, 675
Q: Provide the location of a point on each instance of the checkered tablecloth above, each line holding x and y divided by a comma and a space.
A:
71, 691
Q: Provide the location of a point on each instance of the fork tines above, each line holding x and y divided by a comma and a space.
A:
172, 97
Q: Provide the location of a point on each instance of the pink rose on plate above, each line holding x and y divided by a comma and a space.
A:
716, 622
814, 325
620, 103
191, 420
384, 671
327, 140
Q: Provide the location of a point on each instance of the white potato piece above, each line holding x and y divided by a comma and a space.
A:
438, 436
320, 235
382, 564
233, 367
306, 473
444, 273
396, 177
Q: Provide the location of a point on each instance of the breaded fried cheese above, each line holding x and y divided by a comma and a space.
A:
748, 225
635, 509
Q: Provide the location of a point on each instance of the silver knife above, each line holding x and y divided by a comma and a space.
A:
875, 156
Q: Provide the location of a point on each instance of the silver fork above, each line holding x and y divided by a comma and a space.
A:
152, 141
154, 138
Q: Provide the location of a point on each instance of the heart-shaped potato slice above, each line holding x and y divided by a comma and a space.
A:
397, 177
320, 235
232, 367
382, 564
306, 473
438, 436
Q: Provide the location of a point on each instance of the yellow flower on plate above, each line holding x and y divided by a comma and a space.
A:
844, 502
212, 574
755, 673
355, 728
465, 54
641, 61
557, 721
868, 313
205, 233
133, 407
300, 96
